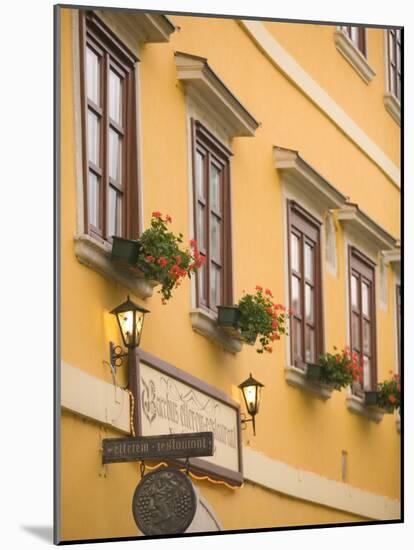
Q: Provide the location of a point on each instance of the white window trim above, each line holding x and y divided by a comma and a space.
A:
391, 102
91, 252
352, 54
304, 185
209, 101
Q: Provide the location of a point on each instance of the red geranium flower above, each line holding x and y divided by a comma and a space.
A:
156, 214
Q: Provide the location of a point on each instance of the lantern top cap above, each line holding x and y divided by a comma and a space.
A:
250, 382
129, 305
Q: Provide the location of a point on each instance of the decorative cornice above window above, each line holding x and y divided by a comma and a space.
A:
137, 28
351, 53
364, 227
393, 106
202, 83
299, 173
392, 256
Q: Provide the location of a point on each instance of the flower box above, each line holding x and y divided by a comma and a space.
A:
313, 372
228, 320
125, 250
371, 398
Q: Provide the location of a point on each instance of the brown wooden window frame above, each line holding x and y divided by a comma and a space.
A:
214, 153
394, 61
364, 271
113, 57
360, 41
308, 230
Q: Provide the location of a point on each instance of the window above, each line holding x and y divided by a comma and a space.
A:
362, 311
109, 133
394, 62
357, 36
211, 175
305, 286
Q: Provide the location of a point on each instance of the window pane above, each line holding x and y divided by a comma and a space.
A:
214, 285
309, 262
92, 76
201, 226
115, 156
354, 293
294, 251
115, 97
93, 199
365, 300
93, 138
215, 238
214, 188
356, 344
114, 213
354, 34
202, 283
296, 305
200, 175
367, 373
309, 303
297, 338
367, 337
309, 344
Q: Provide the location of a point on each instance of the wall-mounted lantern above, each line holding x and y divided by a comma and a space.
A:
130, 317
251, 393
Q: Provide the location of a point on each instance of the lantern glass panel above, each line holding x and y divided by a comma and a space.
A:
126, 323
250, 396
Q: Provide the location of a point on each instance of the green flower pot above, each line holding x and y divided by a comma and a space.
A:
313, 372
371, 398
228, 320
125, 250
228, 316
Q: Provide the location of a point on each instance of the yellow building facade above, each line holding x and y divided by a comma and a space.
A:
307, 118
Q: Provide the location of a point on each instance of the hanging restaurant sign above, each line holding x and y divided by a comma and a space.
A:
169, 400
164, 502
128, 449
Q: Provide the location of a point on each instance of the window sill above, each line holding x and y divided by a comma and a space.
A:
353, 56
393, 106
356, 405
97, 256
297, 377
206, 324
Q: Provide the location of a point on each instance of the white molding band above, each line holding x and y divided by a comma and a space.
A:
93, 398
310, 487
291, 68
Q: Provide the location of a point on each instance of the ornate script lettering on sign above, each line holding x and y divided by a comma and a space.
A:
169, 405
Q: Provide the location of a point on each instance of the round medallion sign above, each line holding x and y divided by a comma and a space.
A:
164, 502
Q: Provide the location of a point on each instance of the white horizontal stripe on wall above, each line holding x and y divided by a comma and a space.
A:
106, 404
283, 478
93, 398
291, 68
